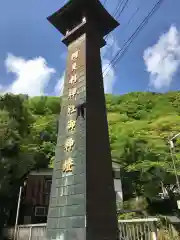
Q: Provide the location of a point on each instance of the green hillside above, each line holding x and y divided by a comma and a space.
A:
139, 127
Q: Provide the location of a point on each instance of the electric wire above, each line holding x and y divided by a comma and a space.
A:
119, 12
124, 6
126, 45
129, 21
139, 28
116, 11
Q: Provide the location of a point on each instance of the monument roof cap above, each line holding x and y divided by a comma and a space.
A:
74, 10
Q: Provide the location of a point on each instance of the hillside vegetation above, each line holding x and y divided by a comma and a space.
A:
139, 127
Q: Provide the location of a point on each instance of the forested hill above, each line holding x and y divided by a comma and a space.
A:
146, 117
139, 126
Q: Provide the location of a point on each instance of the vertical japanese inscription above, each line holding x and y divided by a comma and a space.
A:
71, 124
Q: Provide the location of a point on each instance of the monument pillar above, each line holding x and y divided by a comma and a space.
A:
82, 202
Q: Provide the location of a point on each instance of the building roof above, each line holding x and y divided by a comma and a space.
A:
42, 172
173, 219
73, 12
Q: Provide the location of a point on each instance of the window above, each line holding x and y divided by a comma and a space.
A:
41, 211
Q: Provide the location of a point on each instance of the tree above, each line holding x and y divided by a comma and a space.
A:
14, 130
139, 127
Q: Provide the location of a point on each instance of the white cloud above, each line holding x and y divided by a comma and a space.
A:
58, 90
162, 60
109, 77
108, 53
31, 76
112, 45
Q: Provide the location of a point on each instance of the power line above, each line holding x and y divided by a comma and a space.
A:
118, 8
125, 4
134, 35
116, 11
129, 21
119, 12
126, 45
133, 15
131, 18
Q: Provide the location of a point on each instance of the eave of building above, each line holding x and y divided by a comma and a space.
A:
42, 172
49, 171
66, 16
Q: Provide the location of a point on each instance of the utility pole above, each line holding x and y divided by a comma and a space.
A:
17, 213
18, 208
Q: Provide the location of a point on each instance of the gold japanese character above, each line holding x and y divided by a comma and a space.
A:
69, 145
74, 55
74, 66
71, 125
68, 165
71, 109
73, 79
72, 93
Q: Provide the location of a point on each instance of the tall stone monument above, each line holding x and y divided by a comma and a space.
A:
82, 202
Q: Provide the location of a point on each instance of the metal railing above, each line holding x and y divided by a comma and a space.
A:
27, 232
134, 229
138, 229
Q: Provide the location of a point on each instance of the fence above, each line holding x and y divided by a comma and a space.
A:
27, 232
138, 229
135, 229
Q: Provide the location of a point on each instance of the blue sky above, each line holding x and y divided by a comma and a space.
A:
32, 57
